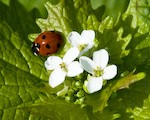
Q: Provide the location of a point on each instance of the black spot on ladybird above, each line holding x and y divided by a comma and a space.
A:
47, 46
44, 36
48, 53
58, 45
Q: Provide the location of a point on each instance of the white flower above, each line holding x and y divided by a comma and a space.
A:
99, 69
63, 67
83, 42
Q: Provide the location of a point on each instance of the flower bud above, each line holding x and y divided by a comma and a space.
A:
80, 94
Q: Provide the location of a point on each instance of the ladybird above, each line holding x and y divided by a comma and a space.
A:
47, 43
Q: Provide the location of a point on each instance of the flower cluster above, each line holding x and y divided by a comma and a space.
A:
74, 63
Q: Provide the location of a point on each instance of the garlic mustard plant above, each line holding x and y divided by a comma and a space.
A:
63, 67
99, 70
83, 42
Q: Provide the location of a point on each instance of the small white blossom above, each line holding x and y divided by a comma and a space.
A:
99, 69
83, 42
63, 67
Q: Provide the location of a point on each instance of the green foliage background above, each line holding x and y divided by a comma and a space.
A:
121, 26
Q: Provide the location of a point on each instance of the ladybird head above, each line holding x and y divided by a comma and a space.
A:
35, 48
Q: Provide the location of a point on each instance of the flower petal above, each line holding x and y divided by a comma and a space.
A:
63, 92
87, 36
74, 69
87, 64
57, 77
101, 58
71, 55
52, 62
110, 72
74, 38
93, 84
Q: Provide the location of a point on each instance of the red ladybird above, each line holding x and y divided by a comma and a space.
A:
47, 43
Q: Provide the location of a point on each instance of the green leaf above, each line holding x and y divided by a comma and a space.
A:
59, 16
112, 8
126, 100
99, 100
30, 5
141, 113
141, 14
34, 4
53, 107
20, 69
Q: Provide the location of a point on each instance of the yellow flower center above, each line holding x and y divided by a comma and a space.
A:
98, 72
63, 66
81, 47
